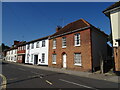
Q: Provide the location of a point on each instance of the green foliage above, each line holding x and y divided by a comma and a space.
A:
3, 47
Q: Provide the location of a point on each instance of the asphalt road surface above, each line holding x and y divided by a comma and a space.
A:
24, 77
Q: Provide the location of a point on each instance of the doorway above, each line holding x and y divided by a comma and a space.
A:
23, 58
35, 59
64, 60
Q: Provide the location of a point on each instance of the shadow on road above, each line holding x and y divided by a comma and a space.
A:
4, 63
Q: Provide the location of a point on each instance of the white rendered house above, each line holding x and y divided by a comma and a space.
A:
37, 51
11, 55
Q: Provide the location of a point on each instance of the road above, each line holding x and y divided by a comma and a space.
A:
24, 77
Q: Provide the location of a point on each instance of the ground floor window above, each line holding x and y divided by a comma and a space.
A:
31, 57
54, 58
43, 57
77, 59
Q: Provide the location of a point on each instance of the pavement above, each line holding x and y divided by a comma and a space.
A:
106, 76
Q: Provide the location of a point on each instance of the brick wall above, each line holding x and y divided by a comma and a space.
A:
84, 49
117, 58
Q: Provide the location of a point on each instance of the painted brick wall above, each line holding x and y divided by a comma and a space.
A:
84, 49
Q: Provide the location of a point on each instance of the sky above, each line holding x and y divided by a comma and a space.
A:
32, 20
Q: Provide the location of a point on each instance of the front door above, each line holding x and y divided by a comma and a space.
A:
64, 61
35, 59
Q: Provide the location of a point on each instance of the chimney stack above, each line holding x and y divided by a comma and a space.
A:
58, 28
16, 42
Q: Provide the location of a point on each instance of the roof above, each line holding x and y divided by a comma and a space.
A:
38, 39
80, 24
115, 5
22, 43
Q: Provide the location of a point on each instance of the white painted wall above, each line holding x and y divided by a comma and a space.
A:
37, 51
115, 25
11, 55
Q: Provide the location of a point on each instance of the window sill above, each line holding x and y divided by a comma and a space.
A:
64, 47
54, 48
77, 45
53, 62
78, 64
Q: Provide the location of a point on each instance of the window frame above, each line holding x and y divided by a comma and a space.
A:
53, 58
78, 64
54, 43
76, 39
64, 42
32, 46
43, 61
28, 46
43, 44
37, 44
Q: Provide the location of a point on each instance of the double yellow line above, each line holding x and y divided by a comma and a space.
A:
4, 82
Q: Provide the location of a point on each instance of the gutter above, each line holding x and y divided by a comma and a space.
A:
105, 12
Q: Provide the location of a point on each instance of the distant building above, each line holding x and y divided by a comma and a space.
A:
37, 51
11, 54
21, 50
113, 12
77, 46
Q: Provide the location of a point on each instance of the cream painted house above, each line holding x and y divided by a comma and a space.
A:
11, 55
113, 12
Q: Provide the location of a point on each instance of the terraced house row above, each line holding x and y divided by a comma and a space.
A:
77, 46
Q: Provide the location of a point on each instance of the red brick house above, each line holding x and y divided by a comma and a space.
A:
78, 46
21, 52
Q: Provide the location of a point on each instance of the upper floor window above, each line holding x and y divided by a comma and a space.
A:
43, 43
77, 39
54, 43
77, 59
28, 46
24, 47
32, 46
11, 51
37, 44
63, 42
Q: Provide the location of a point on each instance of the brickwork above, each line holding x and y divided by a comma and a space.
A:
117, 58
84, 49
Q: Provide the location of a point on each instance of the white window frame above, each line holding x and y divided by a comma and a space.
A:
80, 58
54, 57
54, 43
37, 44
28, 46
32, 46
43, 43
31, 57
43, 58
77, 39
64, 42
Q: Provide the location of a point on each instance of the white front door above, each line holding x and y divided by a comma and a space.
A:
64, 61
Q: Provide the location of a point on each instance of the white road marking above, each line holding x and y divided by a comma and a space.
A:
4, 81
34, 73
48, 82
77, 84
12, 79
